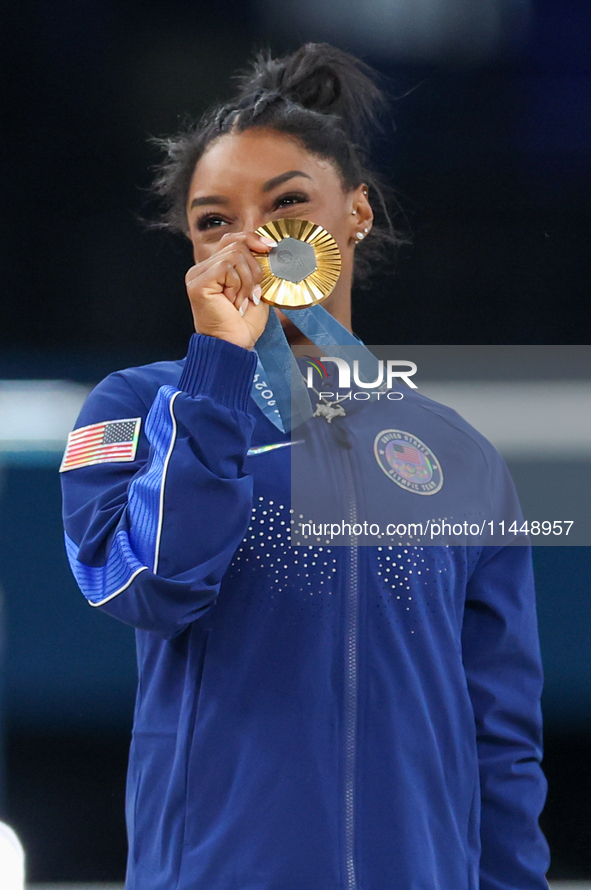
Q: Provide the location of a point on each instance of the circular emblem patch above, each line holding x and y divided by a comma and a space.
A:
408, 462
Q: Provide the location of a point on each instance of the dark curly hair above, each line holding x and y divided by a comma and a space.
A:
323, 96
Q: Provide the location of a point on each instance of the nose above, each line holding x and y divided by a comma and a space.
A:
253, 219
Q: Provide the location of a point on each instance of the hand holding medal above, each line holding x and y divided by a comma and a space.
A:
224, 290
300, 270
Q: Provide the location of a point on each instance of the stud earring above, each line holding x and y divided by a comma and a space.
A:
360, 235
366, 229
354, 213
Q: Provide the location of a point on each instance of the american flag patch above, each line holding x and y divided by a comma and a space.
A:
405, 452
101, 443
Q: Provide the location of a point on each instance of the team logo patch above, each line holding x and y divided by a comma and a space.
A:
101, 443
408, 462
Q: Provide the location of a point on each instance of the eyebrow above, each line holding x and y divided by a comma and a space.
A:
283, 177
267, 187
208, 199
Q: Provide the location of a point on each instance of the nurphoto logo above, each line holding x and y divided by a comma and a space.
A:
388, 372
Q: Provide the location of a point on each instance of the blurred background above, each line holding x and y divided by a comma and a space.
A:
489, 152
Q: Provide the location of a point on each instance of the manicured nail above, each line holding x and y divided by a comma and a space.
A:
256, 294
242, 309
268, 241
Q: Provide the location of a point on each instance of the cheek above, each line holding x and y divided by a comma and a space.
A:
342, 236
199, 254
202, 246
196, 244
340, 229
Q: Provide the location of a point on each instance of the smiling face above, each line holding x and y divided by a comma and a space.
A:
246, 179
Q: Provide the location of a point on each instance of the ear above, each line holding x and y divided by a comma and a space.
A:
360, 214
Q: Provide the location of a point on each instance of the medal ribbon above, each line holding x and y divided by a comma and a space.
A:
278, 373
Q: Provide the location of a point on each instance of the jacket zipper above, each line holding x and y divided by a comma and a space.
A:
351, 686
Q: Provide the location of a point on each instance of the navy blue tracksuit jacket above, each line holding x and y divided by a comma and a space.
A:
308, 717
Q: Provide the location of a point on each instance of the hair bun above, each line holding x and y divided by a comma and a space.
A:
322, 78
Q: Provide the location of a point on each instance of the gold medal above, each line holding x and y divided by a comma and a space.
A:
304, 266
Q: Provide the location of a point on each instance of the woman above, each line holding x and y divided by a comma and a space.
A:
359, 718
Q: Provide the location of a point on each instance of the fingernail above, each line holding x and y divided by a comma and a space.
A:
268, 241
256, 294
242, 309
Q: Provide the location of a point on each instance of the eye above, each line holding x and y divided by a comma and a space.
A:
210, 221
291, 198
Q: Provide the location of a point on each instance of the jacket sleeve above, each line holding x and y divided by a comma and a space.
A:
503, 667
149, 539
